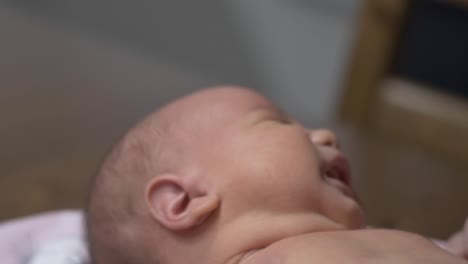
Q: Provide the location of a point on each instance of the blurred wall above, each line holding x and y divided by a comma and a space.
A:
63, 100
294, 51
301, 49
196, 35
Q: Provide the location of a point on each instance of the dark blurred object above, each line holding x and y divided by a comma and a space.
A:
405, 94
409, 75
433, 47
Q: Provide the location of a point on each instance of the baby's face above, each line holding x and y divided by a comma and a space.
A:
262, 161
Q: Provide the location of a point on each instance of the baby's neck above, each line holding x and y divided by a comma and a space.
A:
253, 232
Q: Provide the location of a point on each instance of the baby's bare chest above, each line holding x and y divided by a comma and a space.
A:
363, 247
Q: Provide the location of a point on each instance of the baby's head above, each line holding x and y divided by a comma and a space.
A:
212, 176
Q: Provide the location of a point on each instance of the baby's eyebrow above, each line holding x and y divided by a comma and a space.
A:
255, 114
260, 112
267, 107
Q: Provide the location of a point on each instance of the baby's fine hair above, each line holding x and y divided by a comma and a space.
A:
116, 218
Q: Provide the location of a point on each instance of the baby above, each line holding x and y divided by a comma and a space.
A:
223, 176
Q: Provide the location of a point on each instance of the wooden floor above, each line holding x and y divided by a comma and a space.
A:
401, 186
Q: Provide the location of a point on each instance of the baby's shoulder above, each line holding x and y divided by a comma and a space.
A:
309, 246
359, 246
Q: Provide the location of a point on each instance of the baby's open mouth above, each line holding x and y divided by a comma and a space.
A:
335, 173
338, 175
338, 169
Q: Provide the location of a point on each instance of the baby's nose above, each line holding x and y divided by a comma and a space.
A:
324, 137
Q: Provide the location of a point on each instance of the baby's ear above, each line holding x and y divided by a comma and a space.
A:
178, 204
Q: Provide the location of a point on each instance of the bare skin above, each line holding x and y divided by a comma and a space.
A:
359, 246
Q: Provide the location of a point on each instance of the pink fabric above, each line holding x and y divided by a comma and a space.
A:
458, 242
22, 237
441, 244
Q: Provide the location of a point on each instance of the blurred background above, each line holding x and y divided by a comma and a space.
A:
390, 76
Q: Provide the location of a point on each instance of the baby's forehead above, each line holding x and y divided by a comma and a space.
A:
211, 113
217, 104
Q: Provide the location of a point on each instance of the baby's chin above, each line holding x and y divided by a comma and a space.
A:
355, 218
353, 211
350, 214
